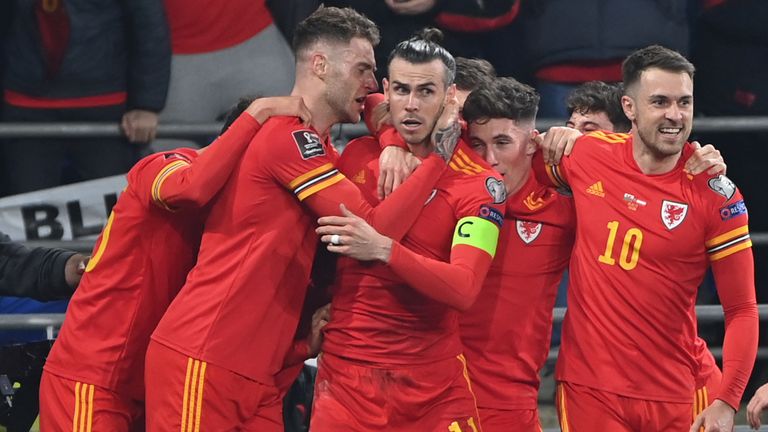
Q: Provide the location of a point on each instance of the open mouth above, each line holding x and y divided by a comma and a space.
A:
670, 131
411, 123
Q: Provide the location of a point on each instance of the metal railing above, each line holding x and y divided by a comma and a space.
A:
704, 314
187, 130
51, 322
86, 246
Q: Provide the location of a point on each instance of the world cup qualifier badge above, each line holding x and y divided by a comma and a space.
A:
309, 144
497, 190
722, 185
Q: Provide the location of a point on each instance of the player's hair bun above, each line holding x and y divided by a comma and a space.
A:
430, 34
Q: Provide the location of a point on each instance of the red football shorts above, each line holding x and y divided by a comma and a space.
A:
186, 394
518, 420
706, 390
73, 405
585, 409
351, 396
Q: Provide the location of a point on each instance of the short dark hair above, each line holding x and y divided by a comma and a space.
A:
501, 98
654, 56
333, 24
234, 112
597, 96
424, 48
471, 72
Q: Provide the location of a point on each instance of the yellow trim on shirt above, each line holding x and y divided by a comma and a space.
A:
308, 175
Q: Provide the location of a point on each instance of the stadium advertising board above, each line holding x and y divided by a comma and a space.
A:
72, 212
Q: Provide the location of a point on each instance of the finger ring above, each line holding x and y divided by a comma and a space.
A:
335, 239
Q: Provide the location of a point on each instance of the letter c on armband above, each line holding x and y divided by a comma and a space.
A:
477, 232
460, 230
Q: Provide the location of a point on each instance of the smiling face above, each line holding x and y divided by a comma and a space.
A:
507, 146
416, 94
350, 79
660, 107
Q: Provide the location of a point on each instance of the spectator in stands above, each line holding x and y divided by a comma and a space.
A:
222, 50
757, 404
82, 61
39, 273
736, 31
42, 274
564, 55
596, 105
471, 28
288, 14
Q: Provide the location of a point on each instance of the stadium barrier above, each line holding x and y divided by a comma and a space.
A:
348, 131
51, 322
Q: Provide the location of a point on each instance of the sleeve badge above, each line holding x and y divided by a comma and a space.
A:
309, 144
497, 190
722, 185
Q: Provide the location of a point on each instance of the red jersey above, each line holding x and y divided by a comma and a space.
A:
643, 244
379, 317
201, 26
707, 365
140, 262
241, 303
506, 332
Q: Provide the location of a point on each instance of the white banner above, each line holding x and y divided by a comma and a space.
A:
72, 212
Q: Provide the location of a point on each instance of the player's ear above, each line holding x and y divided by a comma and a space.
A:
531, 146
320, 64
629, 107
385, 87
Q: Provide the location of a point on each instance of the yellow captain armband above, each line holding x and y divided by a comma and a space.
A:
477, 232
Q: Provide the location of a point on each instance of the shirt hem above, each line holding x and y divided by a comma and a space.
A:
682, 399
374, 362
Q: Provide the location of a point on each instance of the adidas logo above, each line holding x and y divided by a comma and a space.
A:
596, 189
359, 178
533, 203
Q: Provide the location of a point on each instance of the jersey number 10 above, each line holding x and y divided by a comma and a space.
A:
454, 427
630, 248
